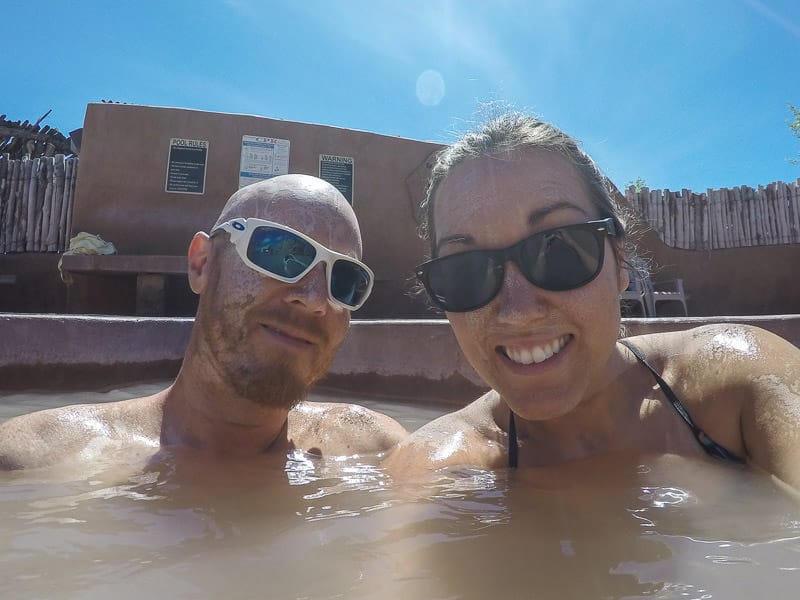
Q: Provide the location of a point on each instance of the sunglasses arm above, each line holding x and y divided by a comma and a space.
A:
229, 227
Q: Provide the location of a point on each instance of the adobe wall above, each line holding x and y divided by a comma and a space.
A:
415, 358
760, 280
121, 193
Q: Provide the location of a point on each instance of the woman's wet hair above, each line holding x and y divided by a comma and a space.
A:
515, 131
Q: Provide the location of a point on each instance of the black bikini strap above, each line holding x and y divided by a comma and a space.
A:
663, 385
709, 445
512, 440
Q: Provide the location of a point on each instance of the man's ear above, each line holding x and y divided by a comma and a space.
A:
198, 262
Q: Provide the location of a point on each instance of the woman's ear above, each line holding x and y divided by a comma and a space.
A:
624, 277
623, 274
198, 262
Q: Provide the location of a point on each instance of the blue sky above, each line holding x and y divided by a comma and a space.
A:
683, 93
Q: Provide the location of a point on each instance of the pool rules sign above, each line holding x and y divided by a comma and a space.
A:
186, 166
338, 171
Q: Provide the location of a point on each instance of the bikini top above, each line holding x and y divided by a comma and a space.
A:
710, 446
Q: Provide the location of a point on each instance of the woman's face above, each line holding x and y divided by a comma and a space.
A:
493, 202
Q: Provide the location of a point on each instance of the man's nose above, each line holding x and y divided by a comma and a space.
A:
311, 291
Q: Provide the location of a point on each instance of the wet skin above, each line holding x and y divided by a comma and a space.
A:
258, 320
257, 346
493, 202
589, 396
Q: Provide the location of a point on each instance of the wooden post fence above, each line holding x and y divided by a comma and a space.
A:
36, 197
724, 218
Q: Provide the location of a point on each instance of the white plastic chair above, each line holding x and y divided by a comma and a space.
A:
636, 292
668, 291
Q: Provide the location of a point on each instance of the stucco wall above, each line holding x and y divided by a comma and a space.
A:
760, 280
410, 358
120, 195
120, 191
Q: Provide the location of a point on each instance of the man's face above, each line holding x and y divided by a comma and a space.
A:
271, 341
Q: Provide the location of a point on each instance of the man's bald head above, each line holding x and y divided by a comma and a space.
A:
305, 203
244, 318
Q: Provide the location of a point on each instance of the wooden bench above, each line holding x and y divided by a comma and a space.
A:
151, 274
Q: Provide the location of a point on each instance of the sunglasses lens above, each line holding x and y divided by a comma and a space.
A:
463, 282
349, 282
557, 260
280, 252
562, 259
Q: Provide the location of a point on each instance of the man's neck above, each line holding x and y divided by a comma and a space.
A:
200, 411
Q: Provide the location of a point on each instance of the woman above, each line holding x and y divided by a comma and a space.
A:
530, 255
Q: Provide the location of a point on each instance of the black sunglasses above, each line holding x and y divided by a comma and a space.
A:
559, 259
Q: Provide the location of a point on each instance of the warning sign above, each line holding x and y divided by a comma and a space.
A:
338, 171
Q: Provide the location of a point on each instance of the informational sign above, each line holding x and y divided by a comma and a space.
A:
338, 171
186, 166
262, 158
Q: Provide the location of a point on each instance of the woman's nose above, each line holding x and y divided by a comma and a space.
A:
519, 300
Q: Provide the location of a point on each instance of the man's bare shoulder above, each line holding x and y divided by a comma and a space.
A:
467, 437
51, 436
343, 429
41, 438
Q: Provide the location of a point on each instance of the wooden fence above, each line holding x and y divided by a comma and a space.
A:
724, 218
36, 198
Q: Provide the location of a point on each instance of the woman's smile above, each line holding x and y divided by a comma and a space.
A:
533, 353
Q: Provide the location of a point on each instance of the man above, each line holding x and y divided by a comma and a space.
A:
277, 279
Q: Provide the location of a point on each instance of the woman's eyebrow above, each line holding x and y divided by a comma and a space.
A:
535, 216
540, 213
457, 238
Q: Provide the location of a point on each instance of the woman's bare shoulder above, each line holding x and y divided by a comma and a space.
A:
718, 366
720, 370
748, 378
744, 347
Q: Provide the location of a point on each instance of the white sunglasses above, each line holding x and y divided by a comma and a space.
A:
287, 255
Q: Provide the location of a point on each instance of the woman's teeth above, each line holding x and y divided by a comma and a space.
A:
535, 354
